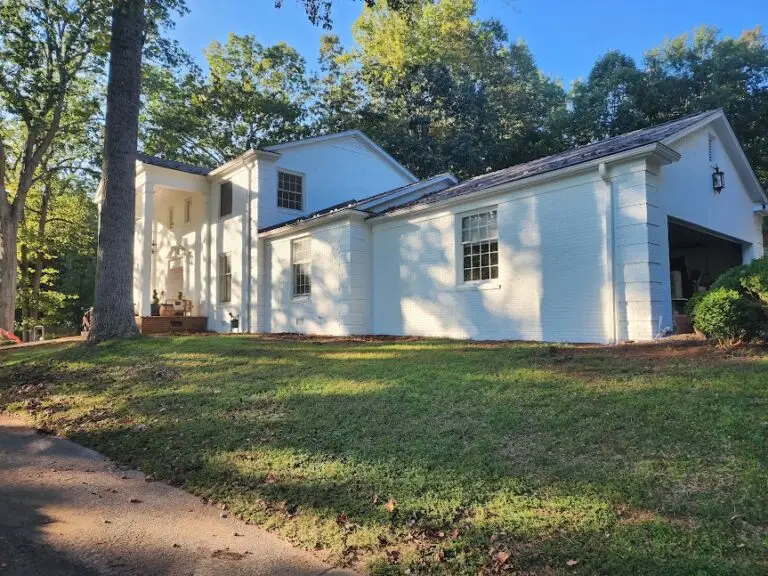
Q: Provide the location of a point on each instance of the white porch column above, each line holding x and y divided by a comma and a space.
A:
147, 228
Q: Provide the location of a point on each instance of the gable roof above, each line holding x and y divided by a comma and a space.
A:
367, 204
346, 134
600, 149
173, 165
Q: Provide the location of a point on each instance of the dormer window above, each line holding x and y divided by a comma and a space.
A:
290, 191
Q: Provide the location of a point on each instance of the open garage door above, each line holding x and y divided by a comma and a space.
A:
696, 258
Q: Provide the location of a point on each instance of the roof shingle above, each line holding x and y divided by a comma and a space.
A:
173, 165
600, 149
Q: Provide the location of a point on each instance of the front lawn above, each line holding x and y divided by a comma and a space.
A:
438, 456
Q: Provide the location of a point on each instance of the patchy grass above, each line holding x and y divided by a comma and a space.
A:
435, 456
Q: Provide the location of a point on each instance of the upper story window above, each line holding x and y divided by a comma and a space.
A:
187, 210
301, 257
225, 199
480, 246
290, 191
171, 222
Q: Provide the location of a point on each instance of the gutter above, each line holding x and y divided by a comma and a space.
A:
664, 153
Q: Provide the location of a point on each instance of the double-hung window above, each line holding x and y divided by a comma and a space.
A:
301, 258
480, 246
225, 277
290, 191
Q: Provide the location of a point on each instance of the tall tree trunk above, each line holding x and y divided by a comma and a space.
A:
22, 287
37, 274
113, 301
9, 233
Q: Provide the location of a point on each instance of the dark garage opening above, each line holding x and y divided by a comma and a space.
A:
696, 259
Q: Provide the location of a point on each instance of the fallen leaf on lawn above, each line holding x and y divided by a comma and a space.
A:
341, 519
227, 555
375, 499
571, 562
439, 555
391, 505
270, 479
455, 534
502, 557
393, 556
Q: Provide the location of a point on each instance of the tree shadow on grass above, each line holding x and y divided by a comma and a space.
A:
627, 465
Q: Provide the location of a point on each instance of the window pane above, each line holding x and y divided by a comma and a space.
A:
289, 191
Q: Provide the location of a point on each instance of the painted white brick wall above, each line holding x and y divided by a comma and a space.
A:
641, 262
339, 302
554, 279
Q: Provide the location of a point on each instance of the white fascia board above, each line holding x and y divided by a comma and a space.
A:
242, 160
659, 151
733, 147
321, 220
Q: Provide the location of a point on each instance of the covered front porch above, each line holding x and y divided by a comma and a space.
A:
169, 254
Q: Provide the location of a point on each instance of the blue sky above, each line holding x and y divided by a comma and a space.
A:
566, 37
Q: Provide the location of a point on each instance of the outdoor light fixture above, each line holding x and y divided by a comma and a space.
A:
718, 180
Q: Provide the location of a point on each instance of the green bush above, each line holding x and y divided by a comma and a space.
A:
728, 316
754, 280
736, 306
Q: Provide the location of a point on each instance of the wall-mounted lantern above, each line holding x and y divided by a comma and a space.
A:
718, 180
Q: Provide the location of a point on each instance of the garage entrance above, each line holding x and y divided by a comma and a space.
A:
696, 258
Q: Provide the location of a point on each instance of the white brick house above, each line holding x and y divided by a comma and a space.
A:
599, 244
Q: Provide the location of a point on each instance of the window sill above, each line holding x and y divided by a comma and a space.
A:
490, 285
302, 298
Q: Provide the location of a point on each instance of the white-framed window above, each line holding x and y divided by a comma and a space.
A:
480, 246
290, 191
171, 222
225, 277
187, 210
225, 199
301, 259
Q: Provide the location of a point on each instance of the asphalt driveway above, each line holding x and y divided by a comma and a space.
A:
65, 510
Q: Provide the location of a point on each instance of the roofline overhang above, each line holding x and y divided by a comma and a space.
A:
249, 156
662, 153
752, 181
312, 222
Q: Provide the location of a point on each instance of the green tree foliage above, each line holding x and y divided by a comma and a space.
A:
252, 96
687, 74
446, 91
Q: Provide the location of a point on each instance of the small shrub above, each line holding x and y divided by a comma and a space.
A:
730, 279
754, 280
728, 316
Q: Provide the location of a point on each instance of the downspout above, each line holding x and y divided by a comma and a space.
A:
247, 278
603, 171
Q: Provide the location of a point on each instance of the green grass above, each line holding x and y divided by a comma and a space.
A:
628, 463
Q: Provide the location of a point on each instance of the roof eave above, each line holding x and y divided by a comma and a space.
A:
664, 154
302, 225
244, 158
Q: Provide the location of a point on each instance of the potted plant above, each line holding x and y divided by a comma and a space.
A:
155, 306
